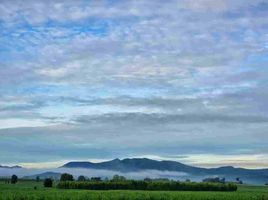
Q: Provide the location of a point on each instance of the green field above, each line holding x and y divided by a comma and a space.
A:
24, 190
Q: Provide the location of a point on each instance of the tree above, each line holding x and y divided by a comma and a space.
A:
214, 180
148, 179
48, 182
118, 178
95, 179
239, 180
14, 179
81, 178
37, 179
66, 177
223, 180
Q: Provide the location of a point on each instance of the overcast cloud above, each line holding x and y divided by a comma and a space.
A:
83, 80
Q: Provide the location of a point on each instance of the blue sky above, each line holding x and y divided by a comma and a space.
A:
96, 80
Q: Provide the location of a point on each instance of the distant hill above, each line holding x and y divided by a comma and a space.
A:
140, 164
136, 164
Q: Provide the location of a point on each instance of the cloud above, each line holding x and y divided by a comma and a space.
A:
42, 11
127, 78
97, 173
13, 123
149, 119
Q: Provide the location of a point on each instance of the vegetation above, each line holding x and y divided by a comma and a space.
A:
48, 182
66, 177
24, 190
95, 179
147, 185
214, 180
81, 178
14, 179
118, 178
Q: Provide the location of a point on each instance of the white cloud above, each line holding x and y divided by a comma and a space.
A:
16, 123
192, 70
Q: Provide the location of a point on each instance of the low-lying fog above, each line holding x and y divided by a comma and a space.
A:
22, 172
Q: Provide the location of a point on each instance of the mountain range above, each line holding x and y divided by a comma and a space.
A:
141, 164
140, 168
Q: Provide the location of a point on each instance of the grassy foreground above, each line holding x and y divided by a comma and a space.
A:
24, 190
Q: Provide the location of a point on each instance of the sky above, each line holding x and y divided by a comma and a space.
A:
183, 80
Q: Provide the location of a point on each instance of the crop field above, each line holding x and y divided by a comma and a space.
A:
31, 190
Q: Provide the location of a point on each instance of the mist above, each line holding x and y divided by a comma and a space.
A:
23, 172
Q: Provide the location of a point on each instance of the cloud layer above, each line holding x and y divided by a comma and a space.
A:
106, 79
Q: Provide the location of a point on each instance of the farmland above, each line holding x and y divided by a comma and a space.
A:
24, 190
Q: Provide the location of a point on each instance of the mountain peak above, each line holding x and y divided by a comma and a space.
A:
132, 164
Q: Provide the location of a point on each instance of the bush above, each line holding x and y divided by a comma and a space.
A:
145, 185
214, 180
95, 179
118, 178
66, 177
81, 178
14, 179
48, 182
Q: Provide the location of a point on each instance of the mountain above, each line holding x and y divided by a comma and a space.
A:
10, 167
135, 164
141, 164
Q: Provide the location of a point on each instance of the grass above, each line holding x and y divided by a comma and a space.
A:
24, 190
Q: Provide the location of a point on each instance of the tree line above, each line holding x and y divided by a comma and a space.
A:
67, 181
121, 183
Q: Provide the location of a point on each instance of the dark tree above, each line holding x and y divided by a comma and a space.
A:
118, 178
223, 180
145, 185
48, 182
95, 179
81, 178
148, 179
214, 180
14, 179
106, 179
37, 179
66, 177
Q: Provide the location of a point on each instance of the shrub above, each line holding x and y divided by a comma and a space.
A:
81, 178
95, 179
66, 177
214, 180
14, 179
48, 182
145, 185
118, 178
